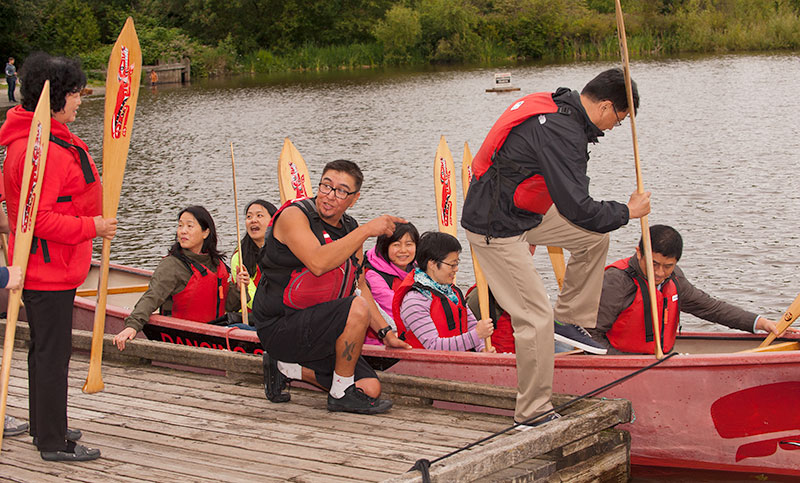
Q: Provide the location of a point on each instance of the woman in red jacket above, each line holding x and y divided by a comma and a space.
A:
69, 217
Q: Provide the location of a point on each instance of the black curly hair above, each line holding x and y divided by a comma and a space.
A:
65, 75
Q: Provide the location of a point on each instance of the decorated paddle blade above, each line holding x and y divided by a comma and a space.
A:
28, 207
444, 182
293, 178
122, 92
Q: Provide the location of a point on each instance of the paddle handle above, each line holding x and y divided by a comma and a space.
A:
94, 379
786, 320
242, 288
559, 267
648, 248
483, 297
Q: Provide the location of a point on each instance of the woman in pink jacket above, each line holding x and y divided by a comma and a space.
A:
387, 264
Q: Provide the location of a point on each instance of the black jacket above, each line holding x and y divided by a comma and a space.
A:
555, 146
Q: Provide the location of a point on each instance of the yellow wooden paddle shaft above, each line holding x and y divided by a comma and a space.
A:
242, 288
786, 320
94, 379
480, 279
648, 248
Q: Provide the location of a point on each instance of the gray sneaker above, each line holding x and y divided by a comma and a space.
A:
13, 427
577, 336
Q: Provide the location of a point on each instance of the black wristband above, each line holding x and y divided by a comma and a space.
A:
382, 333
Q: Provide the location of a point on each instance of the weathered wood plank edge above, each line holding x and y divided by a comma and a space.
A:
508, 452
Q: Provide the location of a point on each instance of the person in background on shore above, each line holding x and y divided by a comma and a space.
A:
624, 321
258, 213
68, 219
310, 321
11, 79
387, 265
193, 276
429, 309
530, 187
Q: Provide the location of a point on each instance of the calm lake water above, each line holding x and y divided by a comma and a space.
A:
718, 139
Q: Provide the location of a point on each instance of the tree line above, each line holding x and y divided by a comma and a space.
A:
228, 36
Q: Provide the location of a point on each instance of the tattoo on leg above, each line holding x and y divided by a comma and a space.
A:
348, 350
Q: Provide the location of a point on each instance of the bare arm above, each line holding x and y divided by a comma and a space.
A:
293, 230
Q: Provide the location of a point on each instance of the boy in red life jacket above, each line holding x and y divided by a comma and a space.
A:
311, 246
624, 323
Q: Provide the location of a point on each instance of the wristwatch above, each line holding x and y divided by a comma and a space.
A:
382, 333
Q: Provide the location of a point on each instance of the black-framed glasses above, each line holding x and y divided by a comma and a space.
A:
341, 193
452, 265
616, 116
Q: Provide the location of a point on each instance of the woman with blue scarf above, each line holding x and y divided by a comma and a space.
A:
429, 309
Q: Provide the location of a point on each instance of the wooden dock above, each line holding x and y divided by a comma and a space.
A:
162, 424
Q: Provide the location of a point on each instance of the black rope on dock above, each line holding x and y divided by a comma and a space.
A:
423, 465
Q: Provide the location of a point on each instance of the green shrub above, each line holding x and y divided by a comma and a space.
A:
399, 33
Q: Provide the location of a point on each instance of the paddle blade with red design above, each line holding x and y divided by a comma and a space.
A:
293, 177
122, 91
444, 182
32, 176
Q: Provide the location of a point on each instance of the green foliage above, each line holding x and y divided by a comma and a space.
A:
399, 33
223, 36
448, 30
70, 28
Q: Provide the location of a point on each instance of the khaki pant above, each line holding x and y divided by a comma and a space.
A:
518, 288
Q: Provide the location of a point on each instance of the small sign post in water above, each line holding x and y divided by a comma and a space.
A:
502, 83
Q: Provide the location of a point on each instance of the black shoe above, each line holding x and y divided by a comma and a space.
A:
539, 422
274, 381
356, 401
72, 435
78, 452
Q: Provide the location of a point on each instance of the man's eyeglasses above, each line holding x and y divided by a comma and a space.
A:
616, 116
452, 265
341, 193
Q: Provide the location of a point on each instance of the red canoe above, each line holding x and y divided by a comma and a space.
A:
708, 408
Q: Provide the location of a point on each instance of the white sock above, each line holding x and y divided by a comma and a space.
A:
291, 370
340, 384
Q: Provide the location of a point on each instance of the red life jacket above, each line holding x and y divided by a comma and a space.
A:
531, 194
450, 319
306, 289
633, 329
203, 299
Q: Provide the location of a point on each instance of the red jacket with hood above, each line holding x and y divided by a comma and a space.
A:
71, 196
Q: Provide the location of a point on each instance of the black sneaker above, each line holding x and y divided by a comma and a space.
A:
74, 452
274, 381
356, 401
577, 336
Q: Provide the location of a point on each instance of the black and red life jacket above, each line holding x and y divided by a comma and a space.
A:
449, 318
300, 287
633, 329
203, 299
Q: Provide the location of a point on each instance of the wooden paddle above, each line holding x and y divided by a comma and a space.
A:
4, 245
648, 248
293, 179
444, 181
32, 176
480, 279
786, 320
122, 91
242, 288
